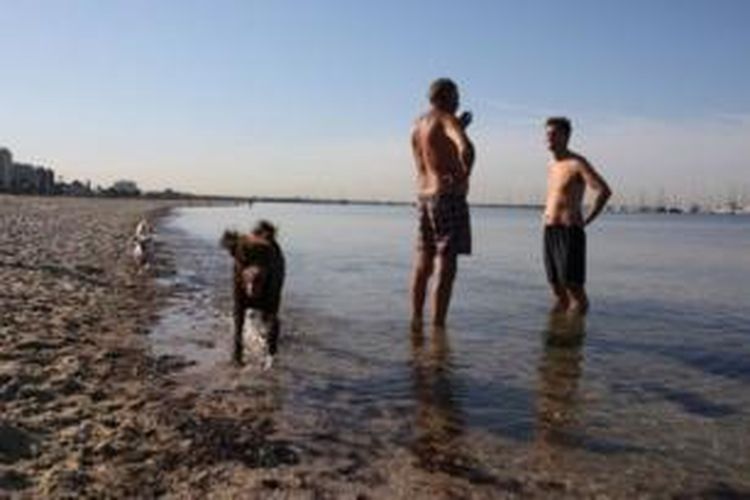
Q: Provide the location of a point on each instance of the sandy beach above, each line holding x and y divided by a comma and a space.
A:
83, 407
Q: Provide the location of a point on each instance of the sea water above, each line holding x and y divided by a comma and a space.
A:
651, 389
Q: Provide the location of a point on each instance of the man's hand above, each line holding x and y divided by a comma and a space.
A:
457, 133
465, 119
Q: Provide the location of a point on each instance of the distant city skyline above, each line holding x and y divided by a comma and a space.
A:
251, 98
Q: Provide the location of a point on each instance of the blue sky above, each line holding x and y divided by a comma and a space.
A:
317, 98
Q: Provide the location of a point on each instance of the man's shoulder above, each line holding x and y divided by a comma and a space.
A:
447, 119
577, 160
569, 167
572, 164
433, 121
422, 121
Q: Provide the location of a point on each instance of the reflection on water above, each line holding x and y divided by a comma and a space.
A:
559, 373
439, 423
439, 441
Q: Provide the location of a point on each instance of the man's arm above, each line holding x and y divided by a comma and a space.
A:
595, 182
457, 134
417, 150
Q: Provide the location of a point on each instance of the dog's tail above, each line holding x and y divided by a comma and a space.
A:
230, 240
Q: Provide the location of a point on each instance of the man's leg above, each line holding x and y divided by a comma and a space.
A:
562, 303
441, 293
578, 301
553, 263
423, 267
576, 272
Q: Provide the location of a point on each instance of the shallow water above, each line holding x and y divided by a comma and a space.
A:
650, 393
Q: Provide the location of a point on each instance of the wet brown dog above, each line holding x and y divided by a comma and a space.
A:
259, 270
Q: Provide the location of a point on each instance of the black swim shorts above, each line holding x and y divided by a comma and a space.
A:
565, 255
444, 225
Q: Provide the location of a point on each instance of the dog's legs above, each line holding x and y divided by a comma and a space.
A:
273, 335
239, 323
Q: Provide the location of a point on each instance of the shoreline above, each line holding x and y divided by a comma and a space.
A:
86, 409
81, 397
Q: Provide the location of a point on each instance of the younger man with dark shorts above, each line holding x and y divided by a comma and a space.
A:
568, 176
443, 156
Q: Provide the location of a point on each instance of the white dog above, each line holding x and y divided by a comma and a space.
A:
141, 242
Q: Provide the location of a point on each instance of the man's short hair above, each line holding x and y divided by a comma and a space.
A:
560, 123
441, 89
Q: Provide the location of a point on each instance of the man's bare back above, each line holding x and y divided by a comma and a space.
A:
441, 148
443, 156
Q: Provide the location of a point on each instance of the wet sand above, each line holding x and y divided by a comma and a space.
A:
87, 408
84, 410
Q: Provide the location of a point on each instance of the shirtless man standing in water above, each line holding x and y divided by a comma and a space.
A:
444, 157
568, 177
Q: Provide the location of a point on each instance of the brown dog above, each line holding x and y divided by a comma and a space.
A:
258, 279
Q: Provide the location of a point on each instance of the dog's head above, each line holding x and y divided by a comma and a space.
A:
254, 255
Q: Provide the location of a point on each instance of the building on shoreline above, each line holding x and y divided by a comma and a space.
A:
125, 188
6, 164
22, 178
